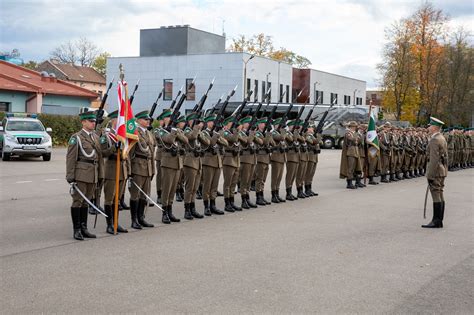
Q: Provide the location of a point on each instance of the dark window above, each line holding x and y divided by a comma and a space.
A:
168, 84
280, 99
347, 100
333, 98
270, 88
191, 90
318, 97
287, 93
4, 107
255, 91
264, 91
248, 88
374, 96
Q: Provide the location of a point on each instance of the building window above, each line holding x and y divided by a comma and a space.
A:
287, 93
333, 98
270, 93
347, 100
4, 107
264, 91
318, 97
190, 90
359, 100
255, 91
168, 84
280, 98
248, 87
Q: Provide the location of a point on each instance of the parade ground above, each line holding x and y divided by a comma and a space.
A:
345, 251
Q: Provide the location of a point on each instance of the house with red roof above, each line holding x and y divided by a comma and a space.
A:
25, 90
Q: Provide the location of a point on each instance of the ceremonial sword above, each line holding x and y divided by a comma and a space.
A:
74, 186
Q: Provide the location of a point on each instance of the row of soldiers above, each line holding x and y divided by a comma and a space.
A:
401, 154
194, 152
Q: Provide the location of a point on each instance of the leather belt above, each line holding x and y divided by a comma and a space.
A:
88, 161
142, 157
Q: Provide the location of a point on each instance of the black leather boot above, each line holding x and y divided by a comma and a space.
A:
123, 205
436, 222
372, 181
350, 185
250, 203
278, 196
307, 191
259, 197
134, 214
228, 207
359, 182
158, 197
207, 210
164, 216
398, 176
214, 210
265, 200
171, 216
411, 174
245, 204
179, 197
187, 212
119, 228
199, 193
393, 178
384, 179
300, 194
289, 195
194, 213
274, 197
252, 186
141, 214
232, 203
76, 223
85, 233
441, 213
110, 222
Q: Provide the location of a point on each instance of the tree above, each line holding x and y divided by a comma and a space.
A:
81, 52
100, 63
262, 45
32, 65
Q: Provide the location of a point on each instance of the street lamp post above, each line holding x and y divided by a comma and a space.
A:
245, 73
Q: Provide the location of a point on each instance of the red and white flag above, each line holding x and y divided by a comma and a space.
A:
126, 127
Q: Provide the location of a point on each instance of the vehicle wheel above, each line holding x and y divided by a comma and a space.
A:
47, 157
340, 143
328, 143
6, 156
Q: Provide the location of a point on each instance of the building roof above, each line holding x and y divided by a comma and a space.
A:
16, 78
79, 73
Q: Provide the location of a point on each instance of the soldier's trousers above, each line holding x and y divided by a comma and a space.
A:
291, 168
87, 189
351, 167
109, 191
277, 175
170, 178
144, 182
372, 166
158, 175
385, 164
362, 163
192, 179
310, 171
246, 172
231, 177
398, 162
261, 172
300, 173
436, 189
210, 181
450, 158
407, 163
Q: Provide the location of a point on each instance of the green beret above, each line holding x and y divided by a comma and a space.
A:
181, 119
113, 114
88, 115
166, 113
277, 121
436, 122
245, 120
291, 123
229, 119
191, 116
209, 118
143, 115
262, 120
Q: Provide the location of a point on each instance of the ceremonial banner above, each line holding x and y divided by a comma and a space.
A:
126, 127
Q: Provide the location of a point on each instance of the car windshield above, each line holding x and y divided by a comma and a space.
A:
24, 125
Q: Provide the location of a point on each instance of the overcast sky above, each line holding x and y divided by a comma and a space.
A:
339, 36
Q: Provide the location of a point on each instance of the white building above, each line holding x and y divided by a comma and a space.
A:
171, 57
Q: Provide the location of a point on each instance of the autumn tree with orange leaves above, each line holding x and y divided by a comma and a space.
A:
427, 70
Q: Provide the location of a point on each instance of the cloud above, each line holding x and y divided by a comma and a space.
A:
341, 36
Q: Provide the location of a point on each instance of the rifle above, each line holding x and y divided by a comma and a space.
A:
254, 117
176, 98
100, 112
284, 118
153, 108
200, 104
270, 117
221, 112
306, 121
175, 114
134, 90
319, 128
238, 111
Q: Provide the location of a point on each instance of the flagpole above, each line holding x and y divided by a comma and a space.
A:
366, 146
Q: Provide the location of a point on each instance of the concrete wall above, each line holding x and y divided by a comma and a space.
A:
63, 105
333, 83
227, 68
201, 42
17, 100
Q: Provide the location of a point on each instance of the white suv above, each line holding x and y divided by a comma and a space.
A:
24, 135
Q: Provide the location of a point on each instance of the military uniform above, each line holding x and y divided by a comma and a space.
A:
248, 161
385, 143
82, 168
142, 172
292, 160
301, 171
436, 172
278, 160
263, 161
314, 150
350, 164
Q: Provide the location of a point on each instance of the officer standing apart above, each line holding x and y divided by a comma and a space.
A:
436, 170
82, 169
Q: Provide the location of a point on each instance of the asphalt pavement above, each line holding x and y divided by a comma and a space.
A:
345, 251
